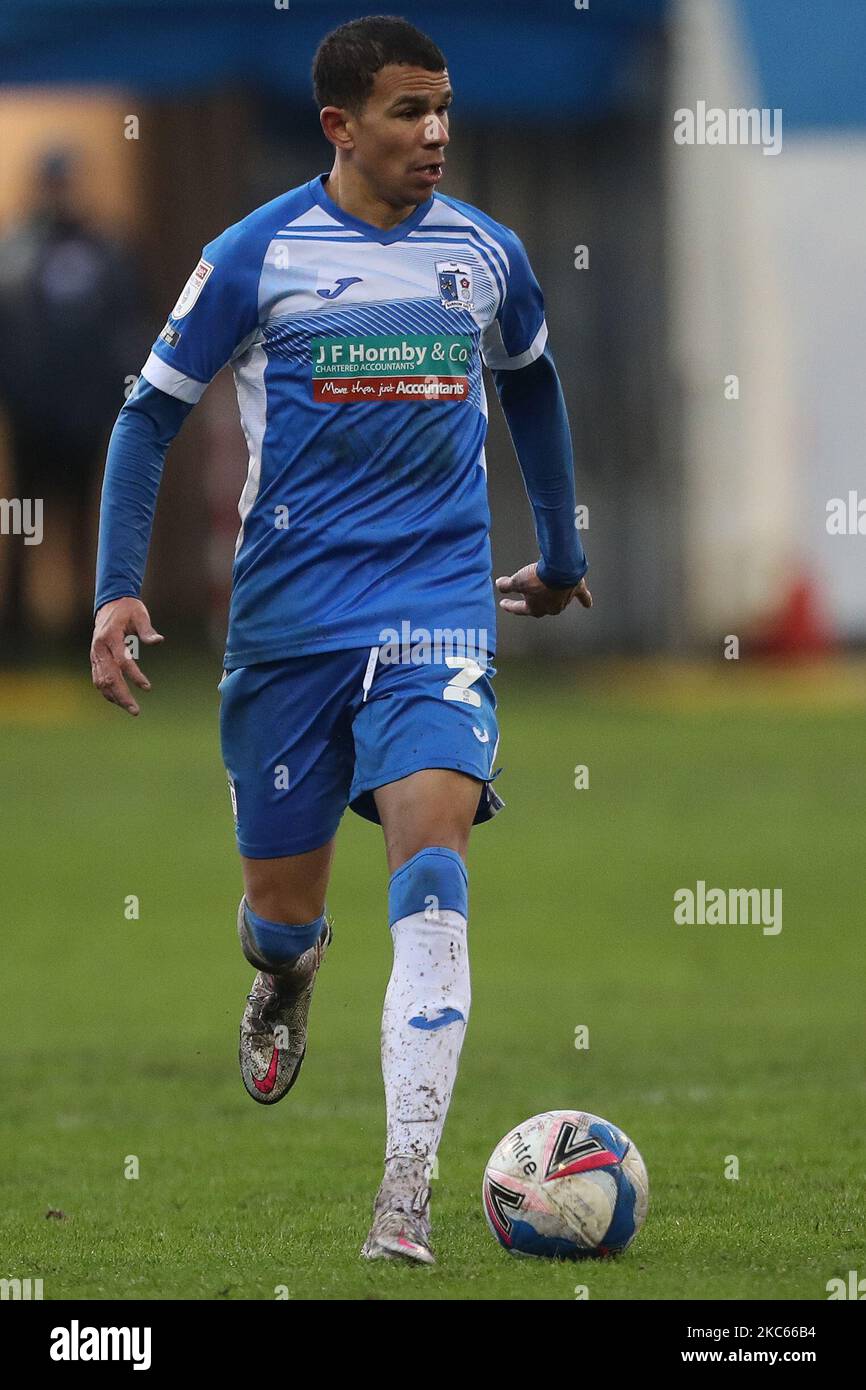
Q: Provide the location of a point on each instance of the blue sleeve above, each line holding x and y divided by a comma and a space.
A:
142, 433
215, 316
534, 408
518, 332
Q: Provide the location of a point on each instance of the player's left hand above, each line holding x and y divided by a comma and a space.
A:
535, 599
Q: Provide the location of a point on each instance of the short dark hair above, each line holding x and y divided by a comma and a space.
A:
347, 59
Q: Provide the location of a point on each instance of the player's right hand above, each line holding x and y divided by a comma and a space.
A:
111, 660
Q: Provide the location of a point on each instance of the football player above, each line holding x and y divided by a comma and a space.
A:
356, 311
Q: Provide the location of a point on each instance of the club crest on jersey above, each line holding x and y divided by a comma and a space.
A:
192, 289
455, 284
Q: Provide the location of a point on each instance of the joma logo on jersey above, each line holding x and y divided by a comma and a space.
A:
342, 284
455, 284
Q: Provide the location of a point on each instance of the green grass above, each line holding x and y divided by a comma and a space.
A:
118, 1037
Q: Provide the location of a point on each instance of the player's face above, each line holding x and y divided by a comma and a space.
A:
401, 135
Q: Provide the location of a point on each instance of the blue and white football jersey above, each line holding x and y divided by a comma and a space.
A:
357, 359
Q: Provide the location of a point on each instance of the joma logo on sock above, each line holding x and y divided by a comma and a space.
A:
729, 907
77, 1343
444, 1017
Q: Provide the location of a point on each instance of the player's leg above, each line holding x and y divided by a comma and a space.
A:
291, 888
284, 933
435, 806
287, 750
426, 819
424, 758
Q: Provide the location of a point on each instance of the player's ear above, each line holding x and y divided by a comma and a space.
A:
334, 121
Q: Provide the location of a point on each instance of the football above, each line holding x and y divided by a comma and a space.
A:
565, 1185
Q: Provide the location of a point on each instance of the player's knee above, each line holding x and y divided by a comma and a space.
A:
286, 906
285, 891
432, 882
273, 945
410, 841
435, 807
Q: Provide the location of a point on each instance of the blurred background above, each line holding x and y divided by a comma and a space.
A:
132, 133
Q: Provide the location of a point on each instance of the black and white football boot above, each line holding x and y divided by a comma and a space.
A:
401, 1215
273, 1034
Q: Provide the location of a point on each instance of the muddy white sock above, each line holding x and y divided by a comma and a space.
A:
426, 1003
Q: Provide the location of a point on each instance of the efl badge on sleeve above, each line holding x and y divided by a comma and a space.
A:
455, 284
191, 290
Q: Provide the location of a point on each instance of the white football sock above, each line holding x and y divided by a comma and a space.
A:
423, 1023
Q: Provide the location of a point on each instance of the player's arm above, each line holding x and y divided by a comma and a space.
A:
145, 427
214, 318
514, 347
534, 408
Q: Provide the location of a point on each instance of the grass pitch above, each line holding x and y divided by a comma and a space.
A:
118, 1034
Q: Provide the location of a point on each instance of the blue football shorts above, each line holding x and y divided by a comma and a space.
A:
305, 737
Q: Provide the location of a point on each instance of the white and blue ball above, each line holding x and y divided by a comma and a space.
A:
566, 1185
